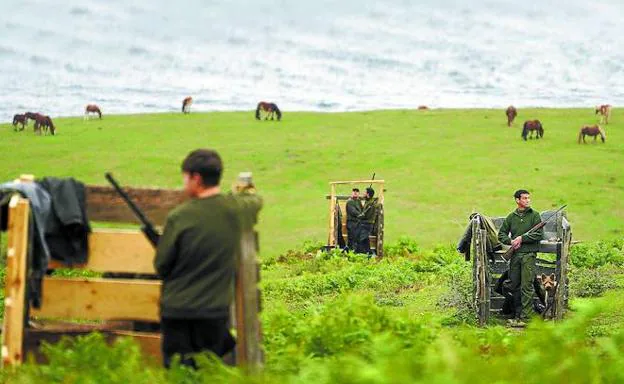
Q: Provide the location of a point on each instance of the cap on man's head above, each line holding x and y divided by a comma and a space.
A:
370, 191
355, 190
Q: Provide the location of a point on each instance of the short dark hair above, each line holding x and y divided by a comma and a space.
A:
205, 162
356, 190
370, 191
521, 192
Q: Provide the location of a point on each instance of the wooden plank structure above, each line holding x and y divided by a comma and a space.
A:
486, 272
113, 303
338, 215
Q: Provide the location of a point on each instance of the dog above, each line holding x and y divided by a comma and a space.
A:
549, 286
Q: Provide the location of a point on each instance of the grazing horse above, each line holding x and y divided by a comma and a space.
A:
530, 126
422, 108
31, 116
605, 113
511, 115
593, 130
270, 109
186, 104
19, 119
92, 108
44, 122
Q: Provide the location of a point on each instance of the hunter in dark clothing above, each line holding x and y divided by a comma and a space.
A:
354, 208
522, 264
197, 258
367, 220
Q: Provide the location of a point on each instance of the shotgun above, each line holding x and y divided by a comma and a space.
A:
507, 255
146, 226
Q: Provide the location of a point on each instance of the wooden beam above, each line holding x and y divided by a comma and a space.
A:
116, 250
15, 282
358, 182
147, 341
99, 299
104, 204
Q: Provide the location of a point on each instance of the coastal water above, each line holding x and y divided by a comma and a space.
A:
145, 56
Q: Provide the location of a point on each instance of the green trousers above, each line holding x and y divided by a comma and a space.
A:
522, 274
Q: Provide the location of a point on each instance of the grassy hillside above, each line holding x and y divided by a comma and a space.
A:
439, 165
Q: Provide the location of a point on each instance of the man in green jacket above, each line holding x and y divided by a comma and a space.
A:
354, 208
197, 258
367, 220
522, 264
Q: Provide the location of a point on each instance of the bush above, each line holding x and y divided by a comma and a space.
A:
459, 293
592, 255
404, 247
592, 282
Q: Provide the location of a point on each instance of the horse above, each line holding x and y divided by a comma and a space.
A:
511, 115
44, 122
31, 116
92, 108
422, 108
593, 130
605, 113
270, 109
19, 119
186, 104
532, 125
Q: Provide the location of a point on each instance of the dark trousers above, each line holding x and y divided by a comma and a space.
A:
189, 336
363, 242
352, 233
522, 275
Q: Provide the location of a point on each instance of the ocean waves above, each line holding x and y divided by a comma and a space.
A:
141, 56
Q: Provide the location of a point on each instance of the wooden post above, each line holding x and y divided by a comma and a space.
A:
332, 212
380, 232
481, 284
15, 282
562, 272
248, 331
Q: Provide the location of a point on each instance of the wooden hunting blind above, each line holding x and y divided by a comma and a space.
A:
338, 215
486, 271
76, 306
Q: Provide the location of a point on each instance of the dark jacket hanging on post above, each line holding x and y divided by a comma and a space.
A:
67, 229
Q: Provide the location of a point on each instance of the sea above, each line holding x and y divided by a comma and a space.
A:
136, 56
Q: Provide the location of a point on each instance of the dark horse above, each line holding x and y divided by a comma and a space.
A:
532, 125
511, 115
19, 119
44, 122
92, 108
186, 104
270, 109
593, 130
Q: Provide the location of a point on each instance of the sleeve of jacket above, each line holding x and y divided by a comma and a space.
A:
167, 251
503, 232
249, 205
535, 236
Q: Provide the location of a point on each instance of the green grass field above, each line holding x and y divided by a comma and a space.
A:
439, 165
336, 318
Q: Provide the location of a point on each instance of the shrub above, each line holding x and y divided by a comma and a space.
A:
591, 282
592, 255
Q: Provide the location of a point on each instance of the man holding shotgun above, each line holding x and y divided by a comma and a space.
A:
517, 232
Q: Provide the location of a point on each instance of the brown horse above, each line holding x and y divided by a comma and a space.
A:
44, 122
186, 104
19, 119
31, 116
530, 126
270, 109
92, 108
422, 108
511, 115
605, 113
593, 130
